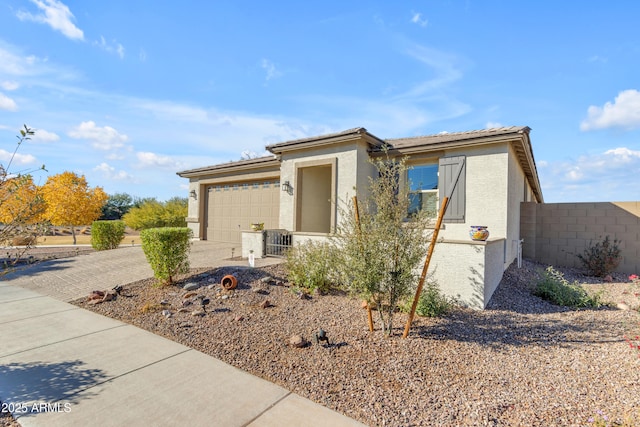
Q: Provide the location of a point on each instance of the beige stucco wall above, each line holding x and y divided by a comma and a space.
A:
554, 233
486, 192
193, 218
469, 271
351, 171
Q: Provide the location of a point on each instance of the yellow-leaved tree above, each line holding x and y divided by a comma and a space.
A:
21, 207
71, 202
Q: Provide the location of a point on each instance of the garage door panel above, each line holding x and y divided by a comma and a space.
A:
232, 211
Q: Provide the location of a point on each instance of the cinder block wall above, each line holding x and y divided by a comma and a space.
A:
554, 233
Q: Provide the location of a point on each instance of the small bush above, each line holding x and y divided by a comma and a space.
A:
432, 302
554, 288
601, 258
167, 251
106, 234
310, 266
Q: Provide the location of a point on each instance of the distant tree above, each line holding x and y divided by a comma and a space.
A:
139, 201
71, 202
21, 205
154, 214
116, 206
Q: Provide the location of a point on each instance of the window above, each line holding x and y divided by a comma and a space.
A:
226, 188
245, 186
235, 187
265, 185
217, 188
423, 184
255, 186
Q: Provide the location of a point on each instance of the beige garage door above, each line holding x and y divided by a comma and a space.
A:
233, 207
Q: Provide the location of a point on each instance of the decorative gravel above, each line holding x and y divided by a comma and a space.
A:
522, 361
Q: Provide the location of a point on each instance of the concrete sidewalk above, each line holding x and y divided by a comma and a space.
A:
61, 365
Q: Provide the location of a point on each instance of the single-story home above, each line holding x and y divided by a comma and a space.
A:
297, 191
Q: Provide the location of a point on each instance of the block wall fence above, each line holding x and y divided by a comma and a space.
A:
554, 233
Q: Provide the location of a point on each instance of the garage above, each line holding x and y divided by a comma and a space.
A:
233, 206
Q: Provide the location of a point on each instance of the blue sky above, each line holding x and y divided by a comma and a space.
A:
128, 93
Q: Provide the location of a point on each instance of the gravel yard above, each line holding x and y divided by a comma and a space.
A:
522, 361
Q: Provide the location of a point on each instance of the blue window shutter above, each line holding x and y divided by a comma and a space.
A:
448, 179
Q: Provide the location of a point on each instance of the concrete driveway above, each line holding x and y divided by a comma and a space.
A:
67, 279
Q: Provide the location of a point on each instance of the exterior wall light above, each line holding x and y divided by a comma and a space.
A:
286, 187
193, 194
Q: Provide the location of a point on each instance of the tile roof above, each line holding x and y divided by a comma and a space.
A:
465, 137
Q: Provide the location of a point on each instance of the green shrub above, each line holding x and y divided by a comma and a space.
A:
154, 214
555, 288
432, 302
106, 234
310, 265
601, 258
167, 251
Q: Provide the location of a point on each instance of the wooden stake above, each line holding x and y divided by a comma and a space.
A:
357, 214
434, 238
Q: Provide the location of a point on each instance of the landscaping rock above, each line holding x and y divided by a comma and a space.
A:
95, 295
268, 280
265, 304
189, 295
166, 313
110, 296
622, 306
191, 286
298, 341
183, 310
198, 313
165, 302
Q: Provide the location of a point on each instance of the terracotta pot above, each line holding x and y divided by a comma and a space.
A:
229, 282
479, 233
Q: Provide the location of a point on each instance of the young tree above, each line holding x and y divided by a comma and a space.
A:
21, 205
381, 251
71, 202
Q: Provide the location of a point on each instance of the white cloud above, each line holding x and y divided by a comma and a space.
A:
444, 68
623, 113
55, 14
16, 158
109, 172
270, 68
492, 125
148, 159
115, 47
607, 176
597, 58
42, 135
9, 85
14, 63
7, 103
103, 138
417, 18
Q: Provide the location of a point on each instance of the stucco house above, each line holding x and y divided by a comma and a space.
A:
298, 189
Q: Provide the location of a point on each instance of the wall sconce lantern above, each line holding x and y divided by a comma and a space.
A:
286, 187
193, 194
